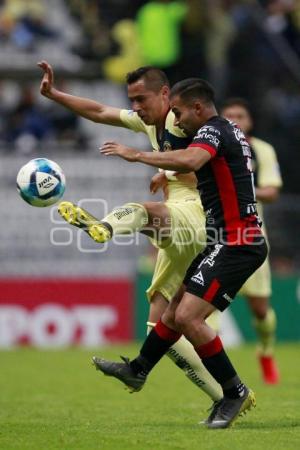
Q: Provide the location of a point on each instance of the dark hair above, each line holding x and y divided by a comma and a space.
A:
153, 77
237, 101
192, 89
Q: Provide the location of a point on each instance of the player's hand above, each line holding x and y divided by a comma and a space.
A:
115, 149
47, 80
159, 181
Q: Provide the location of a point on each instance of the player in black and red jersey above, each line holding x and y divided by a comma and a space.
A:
221, 158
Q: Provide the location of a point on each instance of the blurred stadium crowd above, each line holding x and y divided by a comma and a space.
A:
247, 48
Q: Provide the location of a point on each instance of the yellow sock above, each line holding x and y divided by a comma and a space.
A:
265, 330
127, 219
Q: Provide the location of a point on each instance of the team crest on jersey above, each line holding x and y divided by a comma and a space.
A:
167, 146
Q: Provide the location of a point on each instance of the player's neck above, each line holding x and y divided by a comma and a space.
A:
208, 114
160, 125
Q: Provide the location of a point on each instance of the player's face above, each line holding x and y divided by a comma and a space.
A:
186, 116
148, 104
239, 115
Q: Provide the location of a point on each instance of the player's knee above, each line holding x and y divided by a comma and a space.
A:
168, 318
150, 207
260, 313
185, 321
182, 319
158, 214
259, 306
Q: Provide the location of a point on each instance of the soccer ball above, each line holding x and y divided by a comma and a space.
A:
41, 182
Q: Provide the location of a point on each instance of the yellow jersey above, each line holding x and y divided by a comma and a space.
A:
181, 186
265, 167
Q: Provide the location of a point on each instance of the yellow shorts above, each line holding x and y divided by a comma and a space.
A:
188, 239
259, 284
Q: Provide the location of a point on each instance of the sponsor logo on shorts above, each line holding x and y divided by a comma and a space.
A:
198, 278
210, 259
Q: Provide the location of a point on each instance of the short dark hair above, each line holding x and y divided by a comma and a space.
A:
153, 77
192, 89
237, 101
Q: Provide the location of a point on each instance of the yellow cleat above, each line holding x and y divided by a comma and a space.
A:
99, 233
80, 218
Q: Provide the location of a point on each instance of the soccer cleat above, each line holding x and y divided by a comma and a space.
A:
213, 411
230, 409
80, 218
121, 371
269, 369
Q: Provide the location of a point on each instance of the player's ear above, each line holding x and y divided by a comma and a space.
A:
198, 107
165, 90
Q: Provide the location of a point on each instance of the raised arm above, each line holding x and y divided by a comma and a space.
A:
89, 109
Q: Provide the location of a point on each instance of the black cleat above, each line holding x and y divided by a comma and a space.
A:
230, 409
213, 411
121, 371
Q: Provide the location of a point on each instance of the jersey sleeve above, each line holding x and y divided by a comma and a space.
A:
269, 171
132, 121
209, 139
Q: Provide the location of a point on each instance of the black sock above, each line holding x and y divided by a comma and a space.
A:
234, 388
154, 348
220, 367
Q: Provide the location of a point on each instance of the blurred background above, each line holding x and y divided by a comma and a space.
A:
57, 287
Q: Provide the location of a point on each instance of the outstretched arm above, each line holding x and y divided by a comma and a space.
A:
182, 161
89, 109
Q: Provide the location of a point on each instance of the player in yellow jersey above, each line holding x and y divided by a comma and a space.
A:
176, 226
257, 288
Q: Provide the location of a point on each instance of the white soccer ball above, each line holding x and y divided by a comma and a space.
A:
41, 182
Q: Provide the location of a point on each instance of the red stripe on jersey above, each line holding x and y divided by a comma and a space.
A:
234, 225
212, 290
210, 349
206, 147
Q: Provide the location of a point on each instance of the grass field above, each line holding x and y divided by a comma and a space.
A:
57, 400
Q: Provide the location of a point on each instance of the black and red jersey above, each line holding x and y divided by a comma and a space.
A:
226, 183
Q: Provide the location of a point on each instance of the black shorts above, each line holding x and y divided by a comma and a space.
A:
217, 274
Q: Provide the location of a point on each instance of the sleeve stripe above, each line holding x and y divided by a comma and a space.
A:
206, 147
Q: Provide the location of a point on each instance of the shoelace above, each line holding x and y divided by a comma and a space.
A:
213, 408
126, 360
